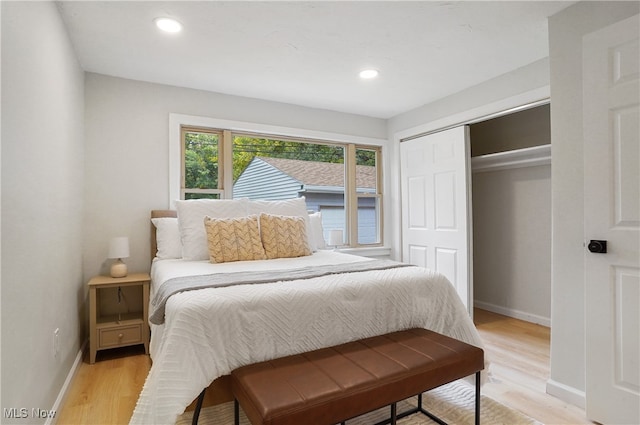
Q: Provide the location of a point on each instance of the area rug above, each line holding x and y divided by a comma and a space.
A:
454, 403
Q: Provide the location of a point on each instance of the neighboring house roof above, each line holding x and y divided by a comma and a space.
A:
314, 173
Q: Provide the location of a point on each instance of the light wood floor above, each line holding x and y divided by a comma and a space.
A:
519, 356
106, 392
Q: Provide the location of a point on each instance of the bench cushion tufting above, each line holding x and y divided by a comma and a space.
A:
333, 384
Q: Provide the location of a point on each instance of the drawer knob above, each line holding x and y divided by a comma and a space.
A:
120, 336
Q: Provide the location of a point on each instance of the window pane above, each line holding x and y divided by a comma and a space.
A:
333, 218
368, 220
283, 169
200, 160
366, 174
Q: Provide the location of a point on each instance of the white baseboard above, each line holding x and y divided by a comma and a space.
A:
566, 393
57, 405
516, 314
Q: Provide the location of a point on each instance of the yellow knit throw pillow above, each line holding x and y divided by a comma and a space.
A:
284, 236
233, 239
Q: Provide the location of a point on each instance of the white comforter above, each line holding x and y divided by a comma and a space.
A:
210, 332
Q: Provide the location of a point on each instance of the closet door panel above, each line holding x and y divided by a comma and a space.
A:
445, 200
436, 205
418, 255
417, 203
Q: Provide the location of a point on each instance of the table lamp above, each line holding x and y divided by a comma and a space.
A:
119, 249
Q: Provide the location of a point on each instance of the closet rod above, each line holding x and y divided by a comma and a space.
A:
482, 118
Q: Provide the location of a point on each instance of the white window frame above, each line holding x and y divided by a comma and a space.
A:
177, 121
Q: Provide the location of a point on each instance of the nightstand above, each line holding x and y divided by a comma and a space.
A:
118, 326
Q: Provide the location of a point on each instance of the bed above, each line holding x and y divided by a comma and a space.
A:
199, 334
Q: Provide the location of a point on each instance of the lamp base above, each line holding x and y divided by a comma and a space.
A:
118, 269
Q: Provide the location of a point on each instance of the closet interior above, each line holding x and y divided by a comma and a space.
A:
511, 207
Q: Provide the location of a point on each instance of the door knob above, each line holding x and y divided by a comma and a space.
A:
597, 247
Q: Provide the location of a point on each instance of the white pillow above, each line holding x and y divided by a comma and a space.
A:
167, 238
191, 214
317, 232
294, 207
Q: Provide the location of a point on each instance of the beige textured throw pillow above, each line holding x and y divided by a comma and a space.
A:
233, 239
284, 236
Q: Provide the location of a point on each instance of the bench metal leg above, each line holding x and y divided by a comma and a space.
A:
477, 398
236, 412
196, 412
433, 417
420, 409
393, 413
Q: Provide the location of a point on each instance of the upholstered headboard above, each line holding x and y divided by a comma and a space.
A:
158, 214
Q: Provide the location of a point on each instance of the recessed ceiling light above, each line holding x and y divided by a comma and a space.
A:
368, 74
168, 24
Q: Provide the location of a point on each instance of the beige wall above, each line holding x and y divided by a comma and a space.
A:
566, 30
512, 242
127, 148
42, 205
498, 91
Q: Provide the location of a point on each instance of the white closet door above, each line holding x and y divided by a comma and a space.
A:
436, 206
611, 116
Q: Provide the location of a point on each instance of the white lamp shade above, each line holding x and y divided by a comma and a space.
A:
335, 237
119, 247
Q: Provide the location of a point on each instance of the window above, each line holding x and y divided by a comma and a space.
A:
368, 196
339, 179
267, 168
200, 164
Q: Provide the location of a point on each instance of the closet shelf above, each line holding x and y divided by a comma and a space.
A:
527, 157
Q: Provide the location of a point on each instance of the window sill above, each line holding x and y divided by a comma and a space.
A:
373, 252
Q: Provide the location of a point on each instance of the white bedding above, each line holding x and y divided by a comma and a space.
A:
210, 332
163, 270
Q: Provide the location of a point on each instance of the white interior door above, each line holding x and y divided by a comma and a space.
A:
436, 206
611, 91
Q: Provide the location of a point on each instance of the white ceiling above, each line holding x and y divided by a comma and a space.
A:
309, 53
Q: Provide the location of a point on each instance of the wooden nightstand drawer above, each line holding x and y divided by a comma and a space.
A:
125, 335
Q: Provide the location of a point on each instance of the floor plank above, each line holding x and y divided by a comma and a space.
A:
106, 392
519, 355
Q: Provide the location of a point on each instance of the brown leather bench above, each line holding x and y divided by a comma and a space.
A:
331, 385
